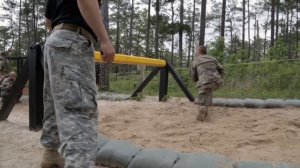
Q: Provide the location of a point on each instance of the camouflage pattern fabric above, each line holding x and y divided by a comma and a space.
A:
70, 107
205, 93
208, 74
4, 61
206, 70
5, 87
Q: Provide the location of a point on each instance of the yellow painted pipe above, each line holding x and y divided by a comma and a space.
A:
132, 60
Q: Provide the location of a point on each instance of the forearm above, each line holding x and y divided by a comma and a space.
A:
194, 75
91, 13
48, 24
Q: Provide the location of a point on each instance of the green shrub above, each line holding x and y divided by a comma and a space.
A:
263, 80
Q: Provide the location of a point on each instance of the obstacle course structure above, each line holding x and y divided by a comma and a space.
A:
160, 66
32, 70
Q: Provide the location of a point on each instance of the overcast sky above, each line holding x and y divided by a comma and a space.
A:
210, 34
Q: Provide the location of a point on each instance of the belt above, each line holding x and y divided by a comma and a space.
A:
77, 29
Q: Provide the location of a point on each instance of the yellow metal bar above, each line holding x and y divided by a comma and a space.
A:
132, 60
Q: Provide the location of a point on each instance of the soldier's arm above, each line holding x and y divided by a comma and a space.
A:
194, 73
220, 69
91, 13
48, 24
48, 15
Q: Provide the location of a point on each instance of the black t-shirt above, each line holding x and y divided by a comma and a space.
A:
66, 11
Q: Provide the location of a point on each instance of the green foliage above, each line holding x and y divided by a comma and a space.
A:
236, 57
264, 80
217, 49
278, 51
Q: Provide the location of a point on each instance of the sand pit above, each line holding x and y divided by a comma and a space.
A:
241, 134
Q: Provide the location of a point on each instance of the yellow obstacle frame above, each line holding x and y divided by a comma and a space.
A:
160, 66
132, 60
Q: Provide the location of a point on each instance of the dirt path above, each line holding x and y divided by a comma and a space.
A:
241, 134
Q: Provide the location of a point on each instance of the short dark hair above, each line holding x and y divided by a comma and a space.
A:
202, 50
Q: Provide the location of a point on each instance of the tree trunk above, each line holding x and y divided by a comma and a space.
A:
266, 30
172, 47
131, 27
257, 36
290, 53
20, 15
244, 23
27, 24
157, 8
181, 34
12, 26
272, 22
277, 18
118, 27
223, 18
254, 40
287, 27
297, 31
189, 50
104, 68
34, 22
231, 36
148, 29
202, 23
193, 28
249, 36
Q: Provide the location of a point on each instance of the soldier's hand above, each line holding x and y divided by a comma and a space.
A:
108, 52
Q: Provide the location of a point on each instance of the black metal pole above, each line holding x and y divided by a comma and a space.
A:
36, 82
163, 84
180, 83
145, 82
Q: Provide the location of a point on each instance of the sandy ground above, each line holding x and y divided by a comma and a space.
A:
241, 134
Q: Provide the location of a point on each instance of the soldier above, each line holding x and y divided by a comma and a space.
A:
3, 61
70, 107
7, 84
208, 74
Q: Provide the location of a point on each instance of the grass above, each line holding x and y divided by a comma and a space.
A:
261, 82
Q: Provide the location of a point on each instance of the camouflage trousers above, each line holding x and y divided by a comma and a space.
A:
205, 93
70, 107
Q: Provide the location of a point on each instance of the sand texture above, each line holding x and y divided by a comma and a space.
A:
239, 133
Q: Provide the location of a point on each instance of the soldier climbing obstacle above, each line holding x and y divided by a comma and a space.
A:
208, 73
6, 85
4, 62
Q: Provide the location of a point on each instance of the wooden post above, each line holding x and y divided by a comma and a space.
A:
141, 69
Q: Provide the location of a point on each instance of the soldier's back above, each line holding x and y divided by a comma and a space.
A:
206, 67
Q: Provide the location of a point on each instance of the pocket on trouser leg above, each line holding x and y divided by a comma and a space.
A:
79, 97
73, 97
88, 99
80, 90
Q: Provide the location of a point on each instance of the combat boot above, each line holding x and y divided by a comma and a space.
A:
202, 113
52, 159
197, 101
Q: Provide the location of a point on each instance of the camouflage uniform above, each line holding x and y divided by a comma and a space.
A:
5, 86
3, 62
208, 74
70, 107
